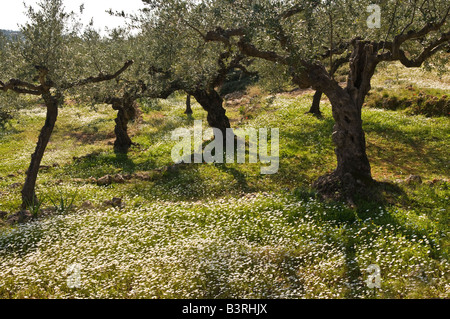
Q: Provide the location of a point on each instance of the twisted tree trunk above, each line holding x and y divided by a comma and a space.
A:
213, 104
349, 139
315, 108
28, 192
127, 111
353, 169
188, 105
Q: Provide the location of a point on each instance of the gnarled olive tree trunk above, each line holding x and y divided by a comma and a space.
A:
349, 138
212, 103
335, 65
353, 167
188, 105
28, 192
127, 111
315, 107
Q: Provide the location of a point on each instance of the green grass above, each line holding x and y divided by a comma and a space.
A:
428, 102
225, 231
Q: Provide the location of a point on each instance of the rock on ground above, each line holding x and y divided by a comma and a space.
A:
118, 179
20, 217
87, 205
115, 202
105, 180
414, 179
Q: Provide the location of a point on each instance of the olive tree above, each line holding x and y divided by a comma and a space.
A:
142, 79
181, 53
105, 53
46, 63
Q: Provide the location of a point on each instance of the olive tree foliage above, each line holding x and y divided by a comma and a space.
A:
273, 78
46, 63
181, 54
312, 37
8, 102
142, 80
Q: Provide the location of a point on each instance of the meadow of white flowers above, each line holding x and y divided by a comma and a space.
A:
258, 246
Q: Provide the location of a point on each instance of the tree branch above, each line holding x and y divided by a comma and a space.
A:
249, 49
400, 55
338, 63
433, 48
193, 27
431, 27
221, 35
99, 78
292, 12
21, 87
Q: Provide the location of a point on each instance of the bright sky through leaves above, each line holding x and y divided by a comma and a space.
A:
12, 12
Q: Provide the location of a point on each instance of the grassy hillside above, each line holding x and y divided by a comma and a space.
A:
225, 231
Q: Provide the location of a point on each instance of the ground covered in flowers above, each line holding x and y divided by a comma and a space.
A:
257, 246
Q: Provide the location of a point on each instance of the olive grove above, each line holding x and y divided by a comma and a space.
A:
313, 38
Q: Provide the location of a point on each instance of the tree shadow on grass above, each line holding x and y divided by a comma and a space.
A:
180, 184
321, 132
123, 161
100, 164
410, 154
239, 176
21, 243
90, 137
380, 205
